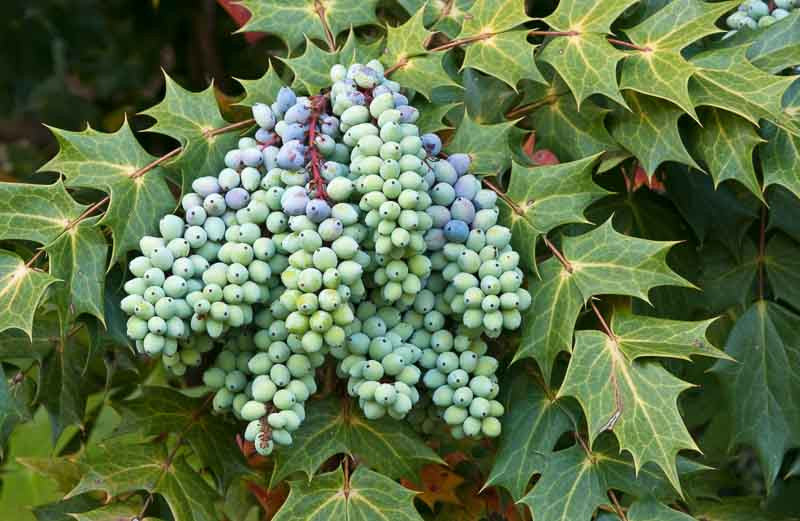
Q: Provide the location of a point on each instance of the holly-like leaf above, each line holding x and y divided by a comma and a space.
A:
356, 51
487, 145
431, 116
571, 487
64, 510
545, 197
190, 117
650, 131
63, 375
532, 425
587, 63
725, 143
118, 467
783, 269
735, 509
761, 385
424, 74
493, 16
570, 133
261, 90
311, 68
587, 15
161, 409
112, 512
728, 280
661, 71
780, 154
21, 290
778, 47
445, 16
47, 214
784, 211
13, 406
507, 56
366, 495
117, 164
330, 428
726, 79
605, 262
637, 400
406, 40
294, 20
548, 324
650, 510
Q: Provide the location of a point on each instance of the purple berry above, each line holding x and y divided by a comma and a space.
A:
293, 132
270, 157
460, 162
298, 113
356, 98
467, 186
399, 99
252, 156
294, 200
485, 199
456, 231
380, 89
318, 210
206, 185
263, 116
463, 210
329, 125
432, 143
263, 135
439, 214
435, 239
408, 114
237, 198
285, 98
291, 155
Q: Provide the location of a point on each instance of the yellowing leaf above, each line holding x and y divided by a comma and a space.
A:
438, 485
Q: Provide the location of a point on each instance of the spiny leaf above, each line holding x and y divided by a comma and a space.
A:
189, 117
532, 425
650, 131
637, 400
548, 324
46, 214
784, 211
570, 133
115, 163
662, 71
294, 20
487, 145
547, 197
778, 47
366, 496
493, 16
587, 15
311, 69
441, 15
728, 280
405, 40
507, 56
780, 154
118, 467
651, 510
13, 407
587, 63
571, 487
423, 74
21, 290
783, 269
431, 116
64, 509
725, 79
386, 444
261, 90
725, 143
605, 262
112, 512
356, 51
642, 336
762, 384
63, 375
161, 409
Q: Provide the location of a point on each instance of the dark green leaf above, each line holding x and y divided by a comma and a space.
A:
778, 47
21, 290
64, 384
761, 385
782, 262
261, 90
366, 496
312, 68
728, 280
650, 510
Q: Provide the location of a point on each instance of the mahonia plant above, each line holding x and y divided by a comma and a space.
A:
487, 259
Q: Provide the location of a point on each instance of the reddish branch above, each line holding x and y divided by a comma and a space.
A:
319, 8
317, 107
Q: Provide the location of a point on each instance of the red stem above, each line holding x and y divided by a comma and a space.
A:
317, 106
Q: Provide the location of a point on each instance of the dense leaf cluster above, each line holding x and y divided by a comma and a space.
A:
657, 372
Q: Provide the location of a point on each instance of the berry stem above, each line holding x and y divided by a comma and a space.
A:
317, 106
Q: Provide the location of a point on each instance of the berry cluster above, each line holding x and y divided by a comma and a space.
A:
757, 13
342, 232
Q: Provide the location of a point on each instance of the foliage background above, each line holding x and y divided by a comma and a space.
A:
98, 61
